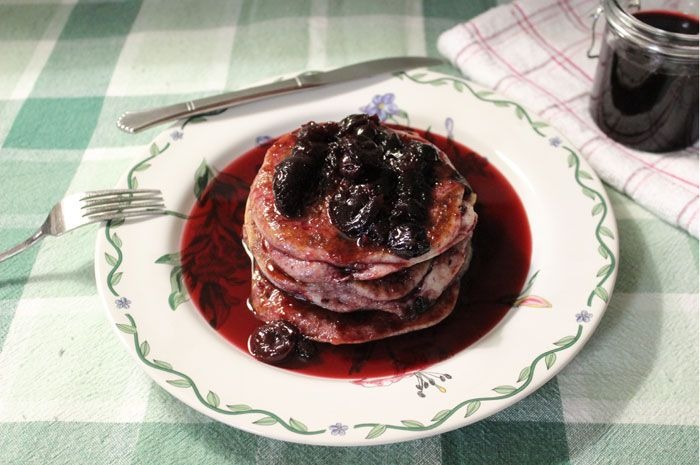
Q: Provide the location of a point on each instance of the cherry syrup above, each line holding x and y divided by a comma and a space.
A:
217, 271
642, 100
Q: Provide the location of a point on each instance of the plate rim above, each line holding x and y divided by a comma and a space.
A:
602, 292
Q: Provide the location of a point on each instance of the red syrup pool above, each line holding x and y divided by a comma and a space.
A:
217, 271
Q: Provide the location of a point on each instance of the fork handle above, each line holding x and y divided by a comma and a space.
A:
33, 239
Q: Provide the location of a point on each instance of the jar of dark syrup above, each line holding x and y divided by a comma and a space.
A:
645, 93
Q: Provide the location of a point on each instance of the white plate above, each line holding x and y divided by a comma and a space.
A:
575, 251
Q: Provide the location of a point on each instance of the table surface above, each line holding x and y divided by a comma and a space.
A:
69, 393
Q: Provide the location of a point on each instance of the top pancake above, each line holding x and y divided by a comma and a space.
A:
312, 237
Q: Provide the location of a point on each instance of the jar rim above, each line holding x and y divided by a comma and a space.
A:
670, 43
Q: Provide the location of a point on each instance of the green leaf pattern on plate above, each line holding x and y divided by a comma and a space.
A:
550, 359
266, 421
202, 177
565, 341
239, 407
145, 348
212, 400
116, 277
298, 426
376, 431
128, 329
110, 259
412, 423
162, 364
143, 165
460, 86
524, 374
441, 415
507, 390
169, 259
181, 383
471, 406
178, 293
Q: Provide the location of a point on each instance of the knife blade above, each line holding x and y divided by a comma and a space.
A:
133, 122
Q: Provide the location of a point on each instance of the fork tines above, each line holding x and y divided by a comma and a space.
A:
124, 203
111, 193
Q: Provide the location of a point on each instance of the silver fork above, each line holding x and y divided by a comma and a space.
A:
84, 208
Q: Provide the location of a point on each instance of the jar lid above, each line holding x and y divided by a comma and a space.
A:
673, 44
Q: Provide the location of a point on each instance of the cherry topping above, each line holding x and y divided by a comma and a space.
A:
379, 184
294, 177
273, 342
354, 208
408, 240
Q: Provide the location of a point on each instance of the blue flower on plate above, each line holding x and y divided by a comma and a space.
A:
584, 316
262, 139
176, 135
382, 105
123, 303
338, 429
555, 141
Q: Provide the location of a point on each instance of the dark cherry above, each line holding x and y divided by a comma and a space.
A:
408, 240
388, 141
314, 150
293, 177
350, 165
313, 131
408, 210
329, 168
376, 233
413, 159
370, 153
354, 208
360, 158
414, 185
359, 124
273, 342
426, 152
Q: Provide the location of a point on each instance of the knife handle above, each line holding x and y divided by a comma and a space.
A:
133, 122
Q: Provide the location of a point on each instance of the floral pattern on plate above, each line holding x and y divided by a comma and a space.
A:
231, 388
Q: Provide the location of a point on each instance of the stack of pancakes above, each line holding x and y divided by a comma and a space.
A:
308, 273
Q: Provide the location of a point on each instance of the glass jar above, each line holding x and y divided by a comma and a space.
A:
645, 93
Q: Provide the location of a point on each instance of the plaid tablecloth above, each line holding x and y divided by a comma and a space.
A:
70, 394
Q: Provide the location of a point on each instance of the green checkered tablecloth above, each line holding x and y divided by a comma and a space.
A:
70, 394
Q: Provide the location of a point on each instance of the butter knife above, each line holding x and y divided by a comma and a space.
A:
133, 122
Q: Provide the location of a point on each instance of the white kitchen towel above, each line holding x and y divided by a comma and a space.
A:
534, 51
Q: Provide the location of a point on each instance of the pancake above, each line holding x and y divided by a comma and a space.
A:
357, 233
271, 304
390, 287
399, 293
313, 238
320, 272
